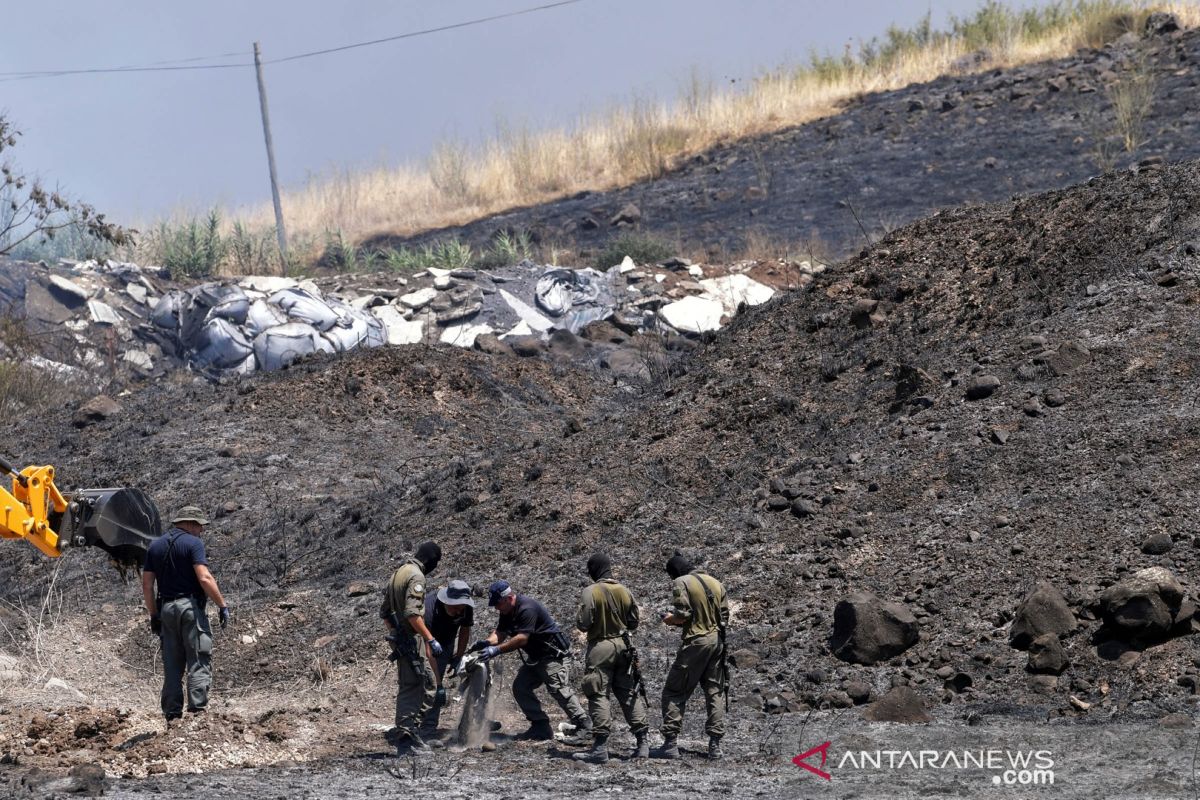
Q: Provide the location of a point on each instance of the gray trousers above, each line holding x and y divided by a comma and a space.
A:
187, 651
552, 673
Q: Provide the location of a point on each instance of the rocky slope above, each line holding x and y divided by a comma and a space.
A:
892, 157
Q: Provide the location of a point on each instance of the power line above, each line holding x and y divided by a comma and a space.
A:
186, 65
425, 32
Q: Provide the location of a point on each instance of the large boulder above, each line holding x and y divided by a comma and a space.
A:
867, 630
1044, 611
1150, 604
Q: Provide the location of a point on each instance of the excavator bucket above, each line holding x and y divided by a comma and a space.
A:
123, 522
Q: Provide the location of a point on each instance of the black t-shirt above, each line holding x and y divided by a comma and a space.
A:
443, 626
172, 558
532, 618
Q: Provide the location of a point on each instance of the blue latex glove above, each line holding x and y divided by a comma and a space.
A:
439, 697
435, 647
491, 651
224, 617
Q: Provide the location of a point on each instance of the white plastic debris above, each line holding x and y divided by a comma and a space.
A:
165, 313
267, 284
696, 271
528, 314
464, 335
277, 347
626, 265
520, 329
693, 314
303, 306
733, 290
262, 315
223, 344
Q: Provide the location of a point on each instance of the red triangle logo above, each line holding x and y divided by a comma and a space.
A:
800, 761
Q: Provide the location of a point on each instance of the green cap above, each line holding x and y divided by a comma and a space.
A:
190, 514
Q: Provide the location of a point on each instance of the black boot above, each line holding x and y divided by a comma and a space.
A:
668, 749
537, 732
642, 748
413, 745
714, 748
598, 754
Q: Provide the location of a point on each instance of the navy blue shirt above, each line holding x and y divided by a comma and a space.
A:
172, 558
443, 626
531, 617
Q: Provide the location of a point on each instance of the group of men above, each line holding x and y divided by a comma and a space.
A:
425, 627
430, 631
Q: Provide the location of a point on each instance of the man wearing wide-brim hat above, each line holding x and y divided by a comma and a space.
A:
449, 615
176, 584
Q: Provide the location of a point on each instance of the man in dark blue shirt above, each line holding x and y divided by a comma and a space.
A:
176, 582
525, 625
449, 616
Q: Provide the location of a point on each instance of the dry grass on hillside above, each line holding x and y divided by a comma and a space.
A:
645, 138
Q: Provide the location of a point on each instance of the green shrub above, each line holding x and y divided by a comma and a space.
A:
192, 249
639, 247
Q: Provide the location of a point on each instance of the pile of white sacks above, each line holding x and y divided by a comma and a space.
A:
263, 323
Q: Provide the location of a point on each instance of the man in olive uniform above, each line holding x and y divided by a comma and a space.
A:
526, 626
403, 611
607, 613
702, 610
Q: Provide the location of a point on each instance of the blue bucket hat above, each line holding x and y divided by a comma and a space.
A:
497, 590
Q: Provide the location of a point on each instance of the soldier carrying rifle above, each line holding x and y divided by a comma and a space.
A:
607, 614
413, 646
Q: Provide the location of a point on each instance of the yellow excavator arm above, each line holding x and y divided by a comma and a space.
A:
25, 511
121, 521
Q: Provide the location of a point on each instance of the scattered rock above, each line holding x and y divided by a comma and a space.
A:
1044, 611
867, 630
1156, 544
1046, 655
526, 346
1176, 721
360, 588
99, 408
62, 687
630, 214
1147, 606
982, 386
859, 692
901, 704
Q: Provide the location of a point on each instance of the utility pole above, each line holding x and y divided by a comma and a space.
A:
280, 232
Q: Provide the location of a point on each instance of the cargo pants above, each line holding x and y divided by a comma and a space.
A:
553, 673
187, 651
608, 667
414, 689
697, 663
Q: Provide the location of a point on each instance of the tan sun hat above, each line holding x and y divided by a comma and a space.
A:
190, 514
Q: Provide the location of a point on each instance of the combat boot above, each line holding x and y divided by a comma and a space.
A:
598, 754
641, 748
714, 748
413, 745
539, 731
668, 749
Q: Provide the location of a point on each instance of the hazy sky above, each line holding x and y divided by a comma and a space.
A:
139, 144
